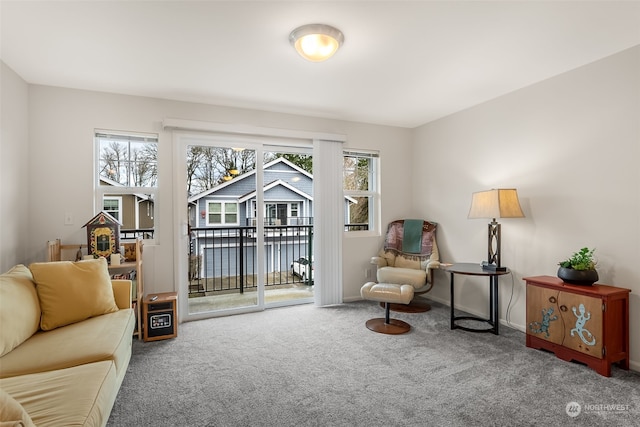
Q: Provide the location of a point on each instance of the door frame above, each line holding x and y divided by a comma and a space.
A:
327, 152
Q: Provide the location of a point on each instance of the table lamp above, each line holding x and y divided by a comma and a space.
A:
500, 203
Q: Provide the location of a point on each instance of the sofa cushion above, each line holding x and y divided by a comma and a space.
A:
19, 308
12, 413
72, 291
106, 337
78, 396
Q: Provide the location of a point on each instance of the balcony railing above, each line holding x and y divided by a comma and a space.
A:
224, 259
145, 233
356, 227
292, 220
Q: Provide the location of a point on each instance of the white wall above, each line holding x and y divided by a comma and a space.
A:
14, 168
62, 122
571, 146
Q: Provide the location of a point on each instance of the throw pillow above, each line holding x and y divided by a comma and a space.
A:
70, 292
12, 413
19, 308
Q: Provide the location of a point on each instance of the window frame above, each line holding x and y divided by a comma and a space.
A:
372, 193
223, 213
110, 191
118, 200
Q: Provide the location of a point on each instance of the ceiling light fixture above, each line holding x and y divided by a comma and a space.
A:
316, 42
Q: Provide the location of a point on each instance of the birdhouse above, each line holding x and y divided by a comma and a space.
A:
103, 235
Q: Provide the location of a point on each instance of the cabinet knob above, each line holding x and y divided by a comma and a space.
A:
552, 300
563, 308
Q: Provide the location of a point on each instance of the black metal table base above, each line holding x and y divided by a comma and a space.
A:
477, 319
493, 321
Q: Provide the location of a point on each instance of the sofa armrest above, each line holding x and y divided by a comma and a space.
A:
122, 292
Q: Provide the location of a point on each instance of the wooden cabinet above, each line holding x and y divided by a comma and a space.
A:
58, 252
588, 324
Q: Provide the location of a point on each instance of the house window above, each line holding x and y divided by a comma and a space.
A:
112, 206
360, 184
127, 180
270, 210
279, 213
231, 213
222, 213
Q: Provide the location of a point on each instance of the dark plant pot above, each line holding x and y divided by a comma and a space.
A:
578, 277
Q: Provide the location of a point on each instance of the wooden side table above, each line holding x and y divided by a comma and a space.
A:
471, 269
160, 316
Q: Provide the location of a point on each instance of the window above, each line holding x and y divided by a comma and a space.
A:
280, 213
270, 210
112, 206
231, 213
128, 160
127, 180
360, 184
222, 213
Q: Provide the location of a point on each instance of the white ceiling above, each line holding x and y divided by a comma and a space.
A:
403, 63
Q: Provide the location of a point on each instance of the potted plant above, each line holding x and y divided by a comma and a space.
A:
579, 269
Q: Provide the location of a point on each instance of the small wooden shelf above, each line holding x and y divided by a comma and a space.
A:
59, 252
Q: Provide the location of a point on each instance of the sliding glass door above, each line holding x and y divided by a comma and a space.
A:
246, 237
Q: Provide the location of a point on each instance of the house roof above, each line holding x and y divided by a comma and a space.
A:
113, 183
271, 185
248, 175
403, 63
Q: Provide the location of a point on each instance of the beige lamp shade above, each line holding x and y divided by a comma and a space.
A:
496, 203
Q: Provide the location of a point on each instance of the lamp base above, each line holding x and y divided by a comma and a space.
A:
492, 267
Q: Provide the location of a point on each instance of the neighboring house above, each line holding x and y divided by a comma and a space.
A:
134, 211
217, 215
287, 195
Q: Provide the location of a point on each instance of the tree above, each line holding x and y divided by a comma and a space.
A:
194, 157
356, 179
208, 167
144, 165
113, 156
302, 160
129, 163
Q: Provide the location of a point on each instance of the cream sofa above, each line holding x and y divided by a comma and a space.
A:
65, 343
